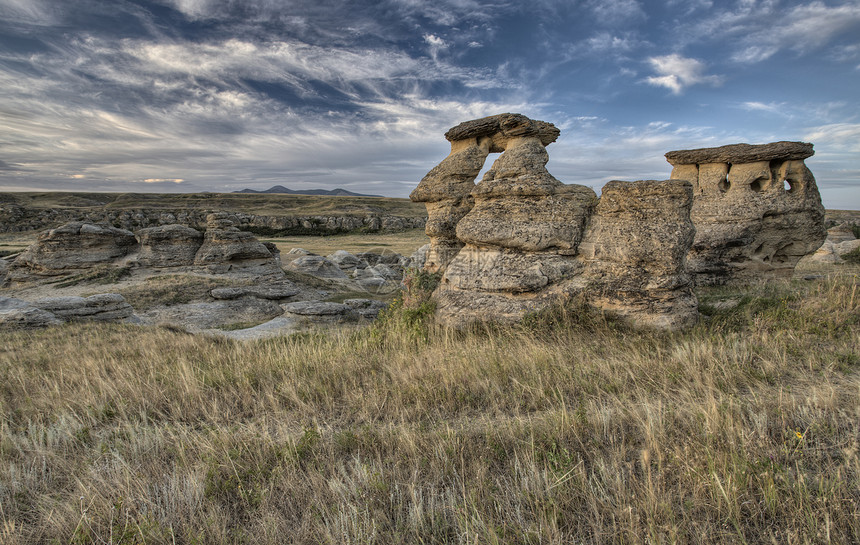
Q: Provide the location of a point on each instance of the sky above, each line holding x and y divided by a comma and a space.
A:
221, 95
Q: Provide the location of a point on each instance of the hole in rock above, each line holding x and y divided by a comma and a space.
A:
758, 185
724, 185
787, 185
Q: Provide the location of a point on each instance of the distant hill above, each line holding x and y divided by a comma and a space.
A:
330, 192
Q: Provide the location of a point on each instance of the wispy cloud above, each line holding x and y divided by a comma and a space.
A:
677, 73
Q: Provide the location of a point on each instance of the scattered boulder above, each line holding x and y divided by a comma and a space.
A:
756, 209
316, 308
201, 316
366, 308
345, 260
275, 292
71, 248
318, 266
19, 314
169, 246
419, 257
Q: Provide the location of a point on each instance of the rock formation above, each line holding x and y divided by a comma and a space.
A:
227, 249
528, 241
169, 246
446, 190
756, 209
72, 248
104, 307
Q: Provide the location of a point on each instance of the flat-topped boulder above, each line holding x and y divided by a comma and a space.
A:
104, 307
73, 247
501, 127
756, 209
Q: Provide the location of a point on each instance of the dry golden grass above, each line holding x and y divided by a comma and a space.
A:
404, 242
569, 429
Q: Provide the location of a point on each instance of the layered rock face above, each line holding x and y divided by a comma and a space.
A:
756, 209
634, 252
227, 249
169, 246
446, 189
530, 241
73, 247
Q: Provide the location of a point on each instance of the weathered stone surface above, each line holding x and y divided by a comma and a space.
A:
502, 127
27, 317
756, 209
344, 260
226, 249
169, 246
529, 241
318, 266
366, 308
4, 268
104, 307
198, 316
316, 308
742, 153
634, 251
275, 292
74, 246
419, 257
830, 253
840, 233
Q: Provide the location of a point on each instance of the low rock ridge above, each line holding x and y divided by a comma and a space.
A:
17, 218
520, 240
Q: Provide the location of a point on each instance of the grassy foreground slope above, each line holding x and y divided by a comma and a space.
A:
568, 429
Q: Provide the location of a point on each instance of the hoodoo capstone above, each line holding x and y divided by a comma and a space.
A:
756, 209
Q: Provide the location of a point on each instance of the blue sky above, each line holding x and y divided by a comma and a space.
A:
220, 95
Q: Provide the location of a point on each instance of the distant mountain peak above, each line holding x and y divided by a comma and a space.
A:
285, 190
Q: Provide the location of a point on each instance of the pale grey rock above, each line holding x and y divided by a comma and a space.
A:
317, 266
299, 252
419, 257
756, 209
283, 290
4, 268
208, 315
168, 246
226, 249
366, 308
635, 251
104, 307
344, 260
27, 317
276, 327
316, 308
70, 248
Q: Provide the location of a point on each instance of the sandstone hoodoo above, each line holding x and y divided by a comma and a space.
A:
756, 209
525, 241
227, 249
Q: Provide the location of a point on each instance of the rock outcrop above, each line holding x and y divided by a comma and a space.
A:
756, 209
72, 248
528, 241
104, 307
226, 249
169, 246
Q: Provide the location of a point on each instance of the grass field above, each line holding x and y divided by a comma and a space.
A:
568, 429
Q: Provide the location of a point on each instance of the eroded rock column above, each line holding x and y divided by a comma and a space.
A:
634, 252
756, 209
